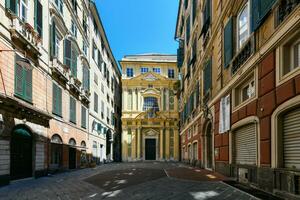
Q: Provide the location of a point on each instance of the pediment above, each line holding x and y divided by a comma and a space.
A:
150, 76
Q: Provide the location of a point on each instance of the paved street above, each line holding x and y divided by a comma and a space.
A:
151, 180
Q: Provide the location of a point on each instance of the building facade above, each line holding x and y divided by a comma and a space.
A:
247, 65
45, 55
149, 107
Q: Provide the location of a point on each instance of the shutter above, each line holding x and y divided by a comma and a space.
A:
74, 63
194, 10
291, 139
59, 101
228, 42
207, 77
38, 17
18, 78
197, 93
12, 5
83, 117
52, 42
188, 21
245, 146
54, 99
67, 53
72, 110
28, 84
259, 10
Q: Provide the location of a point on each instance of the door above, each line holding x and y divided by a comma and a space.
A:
209, 146
150, 149
72, 158
21, 154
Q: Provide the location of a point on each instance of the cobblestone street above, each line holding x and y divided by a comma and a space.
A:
148, 180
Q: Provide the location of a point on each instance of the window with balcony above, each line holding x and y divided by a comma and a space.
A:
156, 70
59, 5
23, 81
129, 72
243, 25
144, 70
56, 100
70, 56
73, 29
72, 110
38, 17
171, 73
58, 39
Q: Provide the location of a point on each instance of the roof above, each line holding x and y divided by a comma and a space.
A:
151, 57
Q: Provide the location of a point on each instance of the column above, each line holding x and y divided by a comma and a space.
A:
136, 100
167, 146
139, 144
161, 144
133, 144
133, 99
124, 145
167, 100
176, 145
125, 92
162, 98
139, 100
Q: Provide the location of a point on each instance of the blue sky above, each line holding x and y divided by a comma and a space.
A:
139, 26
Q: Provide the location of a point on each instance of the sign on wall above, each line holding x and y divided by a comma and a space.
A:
224, 121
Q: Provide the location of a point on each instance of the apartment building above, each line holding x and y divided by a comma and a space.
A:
149, 111
248, 69
45, 56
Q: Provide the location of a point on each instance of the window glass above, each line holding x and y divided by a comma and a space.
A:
243, 26
144, 70
156, 70
150, 103
171, 73
129, 72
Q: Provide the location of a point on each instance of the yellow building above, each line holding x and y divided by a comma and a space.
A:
150, 107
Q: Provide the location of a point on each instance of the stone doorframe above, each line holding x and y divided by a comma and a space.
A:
150, 134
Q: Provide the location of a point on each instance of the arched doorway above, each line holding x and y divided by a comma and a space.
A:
72, 153
83, 157
209, 146
56, 152
21, 153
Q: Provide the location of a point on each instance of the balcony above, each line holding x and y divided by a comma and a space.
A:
284, 8
75, 84
85, 95
23, 32
60, 70
242, 56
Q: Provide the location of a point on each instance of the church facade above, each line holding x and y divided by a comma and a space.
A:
150, 108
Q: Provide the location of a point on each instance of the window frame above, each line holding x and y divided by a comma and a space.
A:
129, 72
156, 70
22, 3
144, 70
173, 73
238, 46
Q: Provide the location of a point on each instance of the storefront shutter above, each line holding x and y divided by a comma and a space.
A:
12, 5
259, 10
52, 36
28, 84
228, 42
18, 79
291, 139
38, 17
67, 53
245, 145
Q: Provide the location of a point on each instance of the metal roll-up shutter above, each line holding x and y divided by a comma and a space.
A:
291, 139
245, 145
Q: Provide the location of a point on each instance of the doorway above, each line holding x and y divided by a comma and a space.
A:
72, 158
209, 146
21, 154
150, 148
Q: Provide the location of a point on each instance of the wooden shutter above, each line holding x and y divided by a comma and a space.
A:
28, 84
86, 77
194, 10
74, 63
95, 102
245, 145
197, 93
18, 78
67, 53
52, 39
59, 102
259, 11
228, 42
12, 5
38, 17
291, 139
207, 77
54, 99
83, 117
188, 21
72, 110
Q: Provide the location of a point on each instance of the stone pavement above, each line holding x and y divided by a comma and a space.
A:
145, 180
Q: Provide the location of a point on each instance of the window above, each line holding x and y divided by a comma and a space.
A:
189, 133
84, 48
156, 70
84, 23
95, 79
150, 103
59, 5
72, 110
23, 81
129, 100
85, 78
171, 73
187, 29
243, 25
74, 4
58, 39
129, 72
144, 70
70, 57
95, 102
24, 10
83, 117
100, 60
38, 17
194, 10
56, 100
74, 29
195, 151
207, 77
291, 55
245, 91
94, 52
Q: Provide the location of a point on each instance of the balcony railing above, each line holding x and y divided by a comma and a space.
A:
85, 95
26, 34
285, 7
245, 52
75, 84
60, 70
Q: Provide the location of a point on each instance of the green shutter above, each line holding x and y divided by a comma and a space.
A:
12, 5
188, 21
56, 100
86, 77
59, 102
38, 17
28, 84
259, 11
72, 110
67, 53
197, 93
83, 117
52, 36
74, 62
228, 42
18, 79
207, 77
